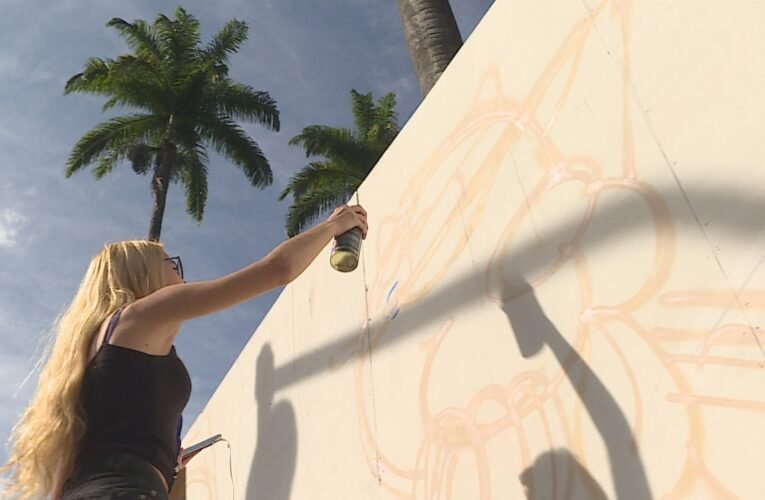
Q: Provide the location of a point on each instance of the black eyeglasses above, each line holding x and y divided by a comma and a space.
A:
178, 265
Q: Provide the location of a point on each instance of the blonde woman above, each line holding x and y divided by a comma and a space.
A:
103, 422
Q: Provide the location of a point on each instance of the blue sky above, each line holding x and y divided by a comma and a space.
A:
307, 55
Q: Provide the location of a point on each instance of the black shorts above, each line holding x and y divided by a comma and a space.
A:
114, 475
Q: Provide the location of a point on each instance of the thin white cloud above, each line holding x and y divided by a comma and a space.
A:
10, 224
12, 68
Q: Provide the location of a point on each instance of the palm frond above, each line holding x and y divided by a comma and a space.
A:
131, 67
135, 98
385, 118
106, 163
226, 42
136, 82
114, 135
178, 38
194, 178
363, 109
321, 175
331, 142
93, 80
311, 206
242, 102
139, 36
228, 139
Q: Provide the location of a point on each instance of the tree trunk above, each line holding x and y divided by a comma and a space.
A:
160, 182
432, 37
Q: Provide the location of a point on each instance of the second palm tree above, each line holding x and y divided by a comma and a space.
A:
349, 156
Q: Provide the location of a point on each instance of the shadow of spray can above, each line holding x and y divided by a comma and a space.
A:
345, 251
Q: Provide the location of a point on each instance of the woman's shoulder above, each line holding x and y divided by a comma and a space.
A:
132, 331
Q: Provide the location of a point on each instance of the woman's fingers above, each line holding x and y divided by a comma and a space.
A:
179, 462
359, 212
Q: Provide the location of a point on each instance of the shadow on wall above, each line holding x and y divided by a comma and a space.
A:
273, 467
558, 474
616, 221
533, 331
726, 209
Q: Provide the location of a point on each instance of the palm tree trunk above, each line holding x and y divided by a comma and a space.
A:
160, 182
432, 37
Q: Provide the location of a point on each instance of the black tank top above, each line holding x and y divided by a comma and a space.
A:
133, 403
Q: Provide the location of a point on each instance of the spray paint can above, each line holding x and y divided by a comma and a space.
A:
345, 251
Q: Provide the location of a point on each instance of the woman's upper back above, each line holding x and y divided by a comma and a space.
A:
133, 399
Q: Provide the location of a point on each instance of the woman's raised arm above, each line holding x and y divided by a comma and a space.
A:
181, 302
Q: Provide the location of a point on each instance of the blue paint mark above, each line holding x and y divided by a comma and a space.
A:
387, 299
391, 291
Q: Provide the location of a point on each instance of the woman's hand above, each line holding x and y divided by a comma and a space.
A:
347, 217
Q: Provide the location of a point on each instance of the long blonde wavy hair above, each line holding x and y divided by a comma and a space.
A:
52, 426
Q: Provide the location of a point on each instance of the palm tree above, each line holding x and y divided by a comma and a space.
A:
185, 103
349, 155
432, 37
